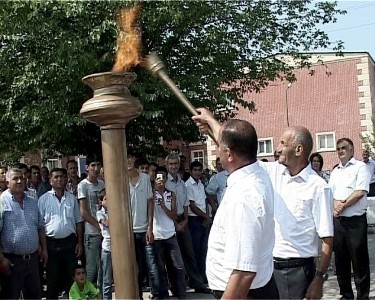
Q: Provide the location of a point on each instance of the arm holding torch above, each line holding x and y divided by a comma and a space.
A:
156, 67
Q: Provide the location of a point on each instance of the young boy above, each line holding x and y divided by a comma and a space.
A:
81, 288
106, 259
165, 244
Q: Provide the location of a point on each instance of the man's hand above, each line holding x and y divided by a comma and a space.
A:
149, 237
180, 227
43, 257
338, 208
206, 221
315, 290
79, 250
203, 119
5, 265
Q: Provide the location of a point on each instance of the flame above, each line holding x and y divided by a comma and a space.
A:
128, 39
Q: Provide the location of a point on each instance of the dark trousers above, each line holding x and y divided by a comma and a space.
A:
61, 261
293, 281
24, 276
350, 246
371, 192
269, 291
187, 252
199, 237
145, 255
168, 252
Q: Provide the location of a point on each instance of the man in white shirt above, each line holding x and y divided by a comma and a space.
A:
350, 183
64, 231
216, 187
142, 206
199, 219
370, 163
302, 212
239, 258
176, 185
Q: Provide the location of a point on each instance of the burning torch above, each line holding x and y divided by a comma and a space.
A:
156, 67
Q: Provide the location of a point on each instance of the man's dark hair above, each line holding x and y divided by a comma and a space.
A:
140, 162
153, 164
217, 159
195, 164
90, 158
62, 170
240, 137
71, 161
22, 166
161, 169
44, 167
349, 141
35, 167
132, 153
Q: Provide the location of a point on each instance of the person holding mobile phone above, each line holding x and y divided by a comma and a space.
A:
166, 245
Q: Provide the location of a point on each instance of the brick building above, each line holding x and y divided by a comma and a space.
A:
336, 101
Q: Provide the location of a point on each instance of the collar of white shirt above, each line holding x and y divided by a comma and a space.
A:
350, 162
240, 173
170, 178
303, 174
192, 181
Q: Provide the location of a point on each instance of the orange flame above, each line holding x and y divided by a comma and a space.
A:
128, 40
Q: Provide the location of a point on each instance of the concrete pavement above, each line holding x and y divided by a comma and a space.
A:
331, 289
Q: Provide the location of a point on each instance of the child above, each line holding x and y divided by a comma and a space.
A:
81, 288
106, 259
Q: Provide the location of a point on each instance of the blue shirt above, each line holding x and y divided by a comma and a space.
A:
19, 233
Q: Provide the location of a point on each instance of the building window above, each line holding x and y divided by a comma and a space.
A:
325, 141
53, 163
265, 147
197, 155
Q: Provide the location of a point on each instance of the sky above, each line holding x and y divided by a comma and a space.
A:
356, 28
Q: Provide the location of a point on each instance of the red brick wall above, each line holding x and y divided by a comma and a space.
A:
319, 102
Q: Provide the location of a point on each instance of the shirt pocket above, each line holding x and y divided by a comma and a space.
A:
68, 213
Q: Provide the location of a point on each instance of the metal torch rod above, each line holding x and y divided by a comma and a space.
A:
156, 67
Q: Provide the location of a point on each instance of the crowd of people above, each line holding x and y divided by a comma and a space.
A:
252, 230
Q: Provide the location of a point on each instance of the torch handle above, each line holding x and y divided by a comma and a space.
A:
181, 97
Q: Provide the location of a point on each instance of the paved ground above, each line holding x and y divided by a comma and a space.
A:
331, 290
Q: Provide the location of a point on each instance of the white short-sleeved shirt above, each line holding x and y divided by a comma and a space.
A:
179, 189
344, 180
303, 211
60, 217
102, 215
90, 191
196, 193
139, 195
217, 185
242, 235
371, 167
163, 227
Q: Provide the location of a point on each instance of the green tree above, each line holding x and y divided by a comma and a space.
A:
46, 47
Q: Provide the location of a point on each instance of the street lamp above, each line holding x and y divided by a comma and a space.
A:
286, 103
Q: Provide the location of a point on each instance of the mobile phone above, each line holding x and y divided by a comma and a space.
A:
159, 176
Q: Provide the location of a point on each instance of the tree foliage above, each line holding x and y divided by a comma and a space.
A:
46, 47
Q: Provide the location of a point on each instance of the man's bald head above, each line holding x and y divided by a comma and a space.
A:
302, 136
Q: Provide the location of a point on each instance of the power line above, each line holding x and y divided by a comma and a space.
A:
352, 27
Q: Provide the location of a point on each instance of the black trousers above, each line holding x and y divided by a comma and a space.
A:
269, 291
293, 281
351, 250
61, 261
24, 276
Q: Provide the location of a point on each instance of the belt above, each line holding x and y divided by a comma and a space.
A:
62, 239
20, 256
282, 263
